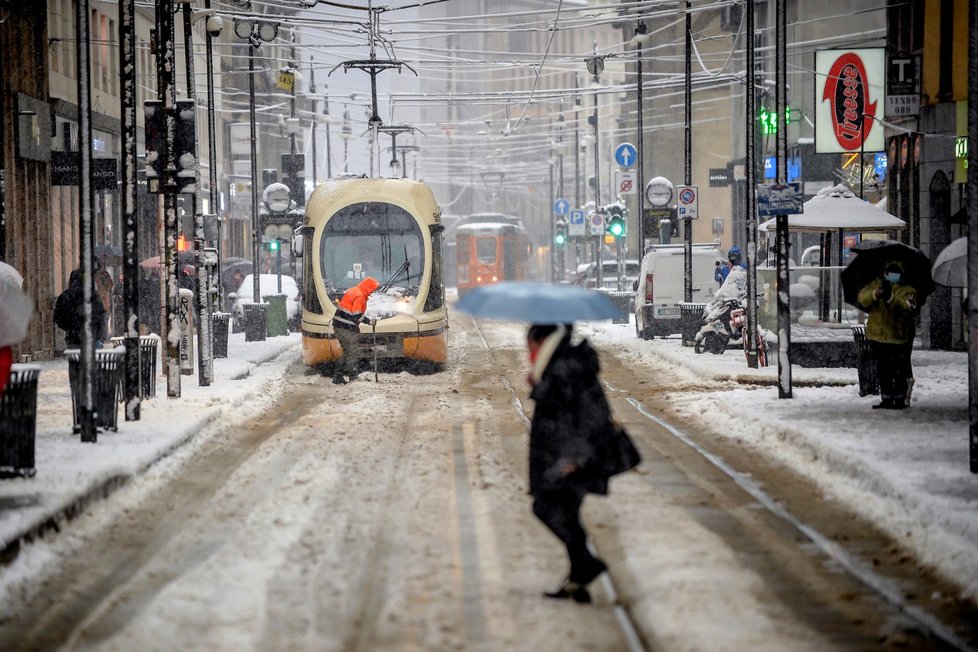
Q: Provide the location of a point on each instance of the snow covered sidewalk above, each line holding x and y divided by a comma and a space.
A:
70, 474
905, 470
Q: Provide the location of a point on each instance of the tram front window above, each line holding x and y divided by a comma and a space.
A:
485, 249
372, 239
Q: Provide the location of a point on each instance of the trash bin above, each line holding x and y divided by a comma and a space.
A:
18, 419
624, 301
690, 321
277, 316
149, 353
255, 321
107, 386
219, 327
865, 363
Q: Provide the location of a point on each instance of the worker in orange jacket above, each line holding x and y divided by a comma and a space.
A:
350, 313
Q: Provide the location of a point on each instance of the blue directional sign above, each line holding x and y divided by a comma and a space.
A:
561, 207
626, 155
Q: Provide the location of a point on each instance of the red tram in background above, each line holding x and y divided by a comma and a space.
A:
491, 247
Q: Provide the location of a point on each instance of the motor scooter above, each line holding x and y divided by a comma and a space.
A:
724, 325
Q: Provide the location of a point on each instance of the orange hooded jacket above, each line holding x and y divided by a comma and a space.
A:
349, 311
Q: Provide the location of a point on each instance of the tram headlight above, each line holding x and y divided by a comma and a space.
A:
494, 279
478, 279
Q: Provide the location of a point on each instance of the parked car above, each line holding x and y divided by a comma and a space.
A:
587, 275
661, 286
268, 285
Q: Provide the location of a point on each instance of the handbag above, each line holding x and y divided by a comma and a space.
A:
619, 453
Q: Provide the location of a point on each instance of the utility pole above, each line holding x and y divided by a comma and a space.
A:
255, 234
130, 222
166, 65
781, 221
205, 361
688, 159
212, 158
749, 197
973, 238
640, 34
595, 65
86, 421
577, 166
315, 156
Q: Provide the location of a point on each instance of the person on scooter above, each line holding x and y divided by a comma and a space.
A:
735, 258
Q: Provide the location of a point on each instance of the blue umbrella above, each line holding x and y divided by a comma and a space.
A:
538, 303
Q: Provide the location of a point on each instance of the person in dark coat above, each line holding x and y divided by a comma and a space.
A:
69, 312
571, 437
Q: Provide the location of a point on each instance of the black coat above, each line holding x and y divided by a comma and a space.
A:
69, 315
571, 423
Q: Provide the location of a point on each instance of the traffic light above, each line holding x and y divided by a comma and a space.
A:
769, 120
273, 246
185, 146
615, 220
293, 168
560, 233
155, 144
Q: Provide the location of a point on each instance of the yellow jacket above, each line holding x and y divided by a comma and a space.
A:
890, 321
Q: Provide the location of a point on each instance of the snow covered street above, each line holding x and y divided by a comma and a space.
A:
289, 513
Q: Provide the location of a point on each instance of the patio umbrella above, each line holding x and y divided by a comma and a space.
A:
951, 266
873, 255
838, 209
538, 303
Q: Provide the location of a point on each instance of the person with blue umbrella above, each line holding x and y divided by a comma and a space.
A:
575, 445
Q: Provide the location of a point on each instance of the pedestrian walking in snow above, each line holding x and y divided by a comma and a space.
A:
350, 313
69, 314
575, 447
890, 329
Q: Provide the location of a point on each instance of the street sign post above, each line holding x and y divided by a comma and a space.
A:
775, 199
577, 225
687, 202
626, 155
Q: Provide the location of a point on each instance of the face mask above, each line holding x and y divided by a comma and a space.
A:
893, 277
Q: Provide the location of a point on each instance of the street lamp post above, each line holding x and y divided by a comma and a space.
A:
640, 38
255, 32
213, 28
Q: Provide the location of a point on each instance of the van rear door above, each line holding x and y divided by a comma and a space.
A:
668, 285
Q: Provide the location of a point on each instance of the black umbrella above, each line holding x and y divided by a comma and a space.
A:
873, 255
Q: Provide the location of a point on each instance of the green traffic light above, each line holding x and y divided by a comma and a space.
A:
616, 227
273, 245
560, 239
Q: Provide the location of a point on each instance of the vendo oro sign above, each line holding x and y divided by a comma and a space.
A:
849, 98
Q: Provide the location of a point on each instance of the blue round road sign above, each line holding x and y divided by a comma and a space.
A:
561, 207
626, 155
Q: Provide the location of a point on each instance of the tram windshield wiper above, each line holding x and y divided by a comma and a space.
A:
402, 272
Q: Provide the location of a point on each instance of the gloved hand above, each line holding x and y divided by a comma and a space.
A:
367, 321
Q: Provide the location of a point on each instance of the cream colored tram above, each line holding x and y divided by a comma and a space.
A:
389, 229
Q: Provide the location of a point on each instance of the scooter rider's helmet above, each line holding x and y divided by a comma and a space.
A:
735, 255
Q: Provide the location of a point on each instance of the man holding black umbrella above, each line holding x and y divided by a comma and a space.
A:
892, 305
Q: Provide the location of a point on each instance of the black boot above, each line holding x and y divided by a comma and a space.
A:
885, 404
570, 590
338, 380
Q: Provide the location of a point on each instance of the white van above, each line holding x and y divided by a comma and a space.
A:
661, 285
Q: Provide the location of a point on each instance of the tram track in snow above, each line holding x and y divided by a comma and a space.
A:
929, 626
